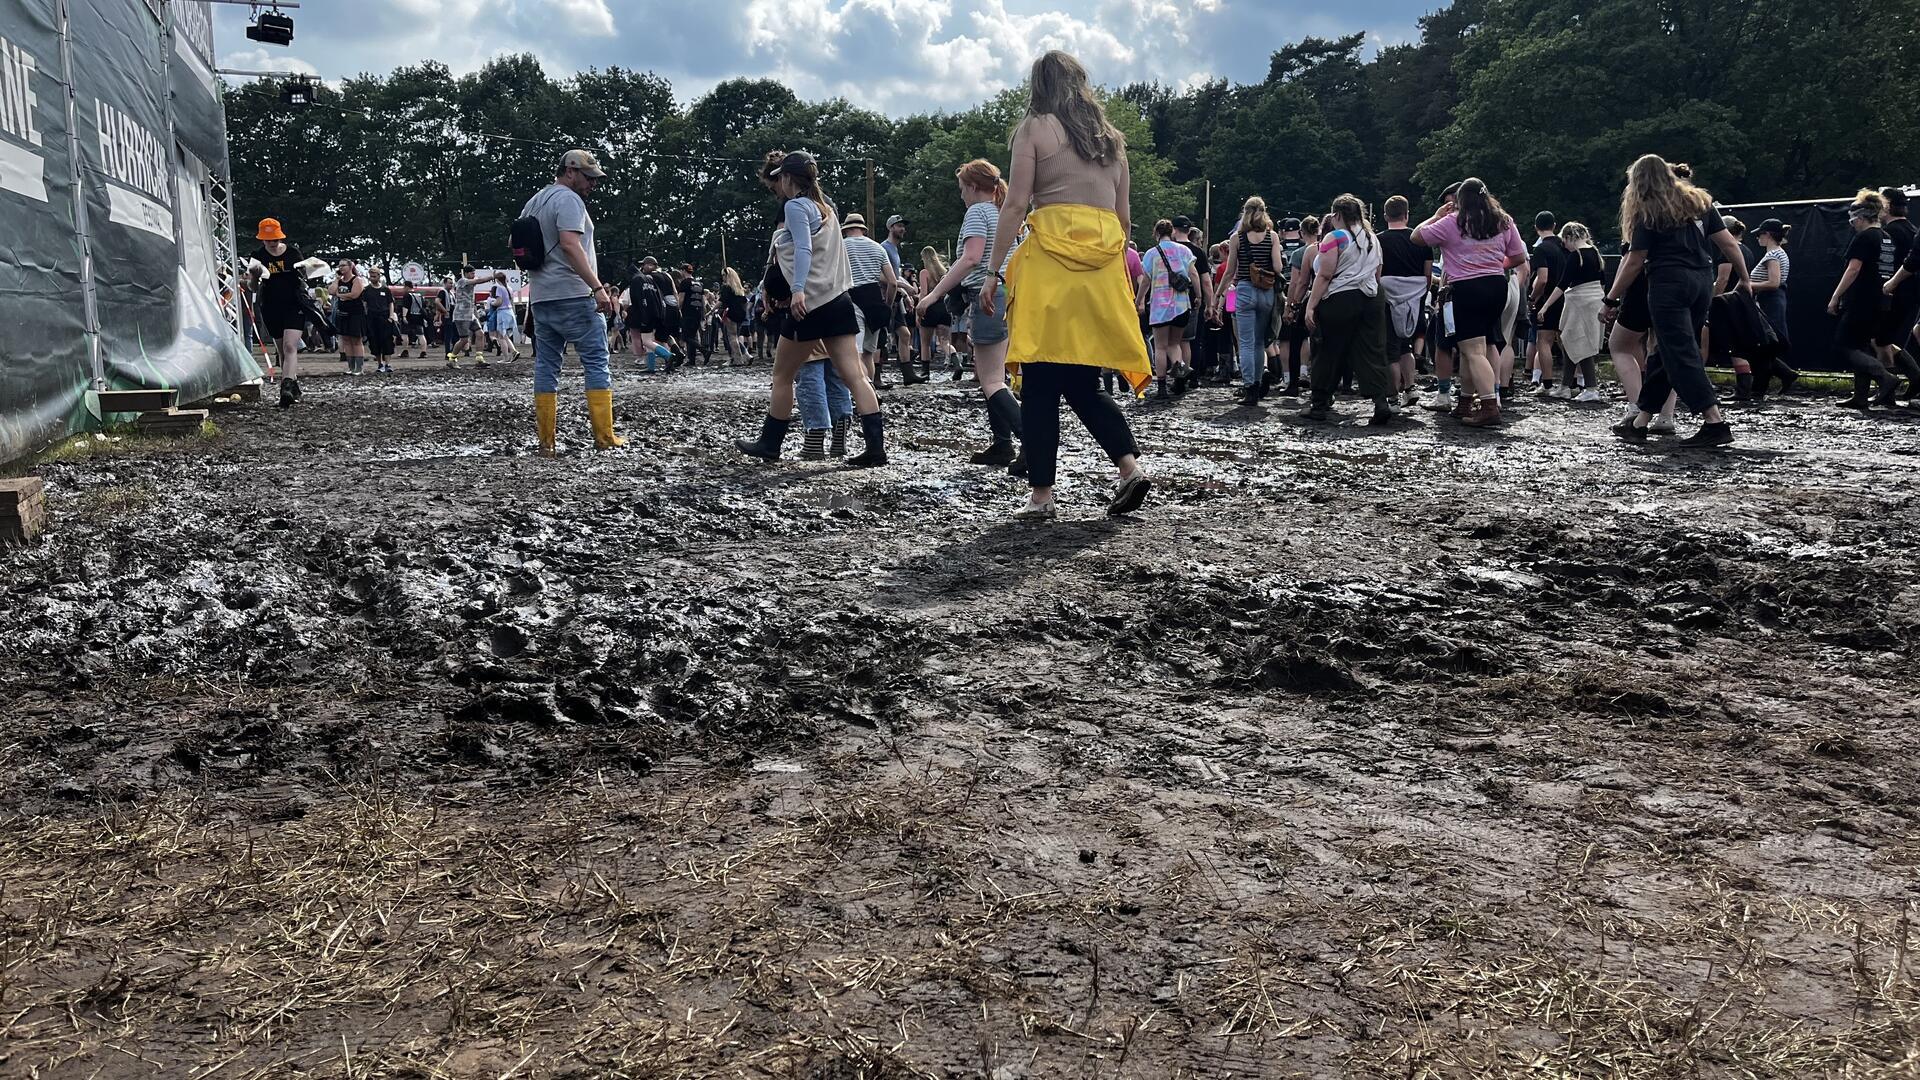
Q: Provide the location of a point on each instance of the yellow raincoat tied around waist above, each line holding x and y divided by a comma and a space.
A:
1068, 297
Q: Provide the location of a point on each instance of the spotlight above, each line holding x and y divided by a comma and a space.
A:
271, 28
297, 91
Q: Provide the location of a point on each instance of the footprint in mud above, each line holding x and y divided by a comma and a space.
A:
508, 641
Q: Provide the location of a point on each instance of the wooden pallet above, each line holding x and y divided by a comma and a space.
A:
137, 401
173, 423
23, 510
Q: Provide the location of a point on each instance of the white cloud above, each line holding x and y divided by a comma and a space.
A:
895, 56
262, 60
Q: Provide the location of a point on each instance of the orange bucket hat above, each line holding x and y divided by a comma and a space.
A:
270, 230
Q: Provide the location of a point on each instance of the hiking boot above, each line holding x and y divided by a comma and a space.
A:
1485, 411
1129, 493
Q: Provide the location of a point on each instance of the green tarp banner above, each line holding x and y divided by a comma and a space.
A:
109, 271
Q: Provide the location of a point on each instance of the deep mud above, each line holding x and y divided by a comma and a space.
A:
360, 742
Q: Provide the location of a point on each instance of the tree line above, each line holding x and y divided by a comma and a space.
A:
1548, 100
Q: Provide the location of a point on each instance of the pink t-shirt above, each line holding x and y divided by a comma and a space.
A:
1134, 267
1464, 257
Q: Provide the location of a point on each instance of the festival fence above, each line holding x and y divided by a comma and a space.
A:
117, 257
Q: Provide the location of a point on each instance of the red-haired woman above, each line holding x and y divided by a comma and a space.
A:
982, 189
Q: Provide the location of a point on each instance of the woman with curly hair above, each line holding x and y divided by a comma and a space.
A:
1675, 230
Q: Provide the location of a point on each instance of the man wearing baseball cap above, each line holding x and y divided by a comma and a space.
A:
567, 299
904, 297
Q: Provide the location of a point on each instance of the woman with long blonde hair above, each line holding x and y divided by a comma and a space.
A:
936, 321
1675, 230
1071, 301
733, 312
975, 275
1253, 269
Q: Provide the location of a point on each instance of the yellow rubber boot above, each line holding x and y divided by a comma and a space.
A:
600, 411
546, 421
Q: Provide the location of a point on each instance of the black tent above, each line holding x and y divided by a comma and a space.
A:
1818, 248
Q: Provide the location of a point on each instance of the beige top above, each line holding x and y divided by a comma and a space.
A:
1060, 175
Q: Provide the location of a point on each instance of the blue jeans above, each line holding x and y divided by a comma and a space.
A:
821, 396
558, 323
1252, 314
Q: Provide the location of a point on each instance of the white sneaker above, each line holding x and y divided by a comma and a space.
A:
1439, 401
1035, 511
1563, 392
1588, 396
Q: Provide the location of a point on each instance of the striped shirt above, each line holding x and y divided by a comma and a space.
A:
1252, 254
983, 220
866, 257
1759, 271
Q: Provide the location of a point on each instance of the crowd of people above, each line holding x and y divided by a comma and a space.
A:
1046, 300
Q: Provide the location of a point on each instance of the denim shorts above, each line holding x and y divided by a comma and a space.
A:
985, 329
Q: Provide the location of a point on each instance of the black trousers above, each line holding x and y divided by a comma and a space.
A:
1351, 344
1678, 299
1041, 388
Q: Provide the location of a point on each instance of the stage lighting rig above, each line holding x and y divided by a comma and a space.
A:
271, 27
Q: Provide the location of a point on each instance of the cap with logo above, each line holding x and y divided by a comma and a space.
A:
897, 219
584, 161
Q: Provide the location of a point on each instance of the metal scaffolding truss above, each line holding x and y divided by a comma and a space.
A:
217, 196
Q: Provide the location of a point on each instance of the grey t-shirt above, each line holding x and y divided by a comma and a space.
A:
559, 210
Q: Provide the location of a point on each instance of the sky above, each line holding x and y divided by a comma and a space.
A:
894, 56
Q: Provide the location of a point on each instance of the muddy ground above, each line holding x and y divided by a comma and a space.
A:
357, 741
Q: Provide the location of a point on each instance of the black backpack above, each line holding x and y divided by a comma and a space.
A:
529, 243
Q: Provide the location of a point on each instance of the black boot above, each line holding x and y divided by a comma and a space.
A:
1743, 386
1003, 415
873, 427
289, 392
1862, 389
909, 377
773, 432
813, 445
1000, 451
838, 446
